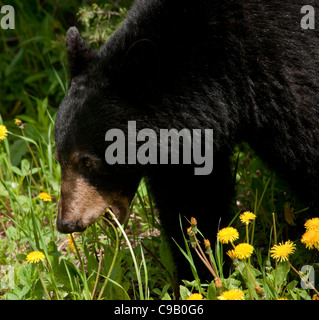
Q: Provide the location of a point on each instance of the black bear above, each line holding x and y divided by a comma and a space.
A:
244, 69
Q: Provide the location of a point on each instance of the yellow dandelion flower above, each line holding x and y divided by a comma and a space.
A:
312, 224
195, 296
3, 132
18, 122
311, 239
228, 234
282, 298
243, 250
44, 196
71, 243
231, 254
234, 294
35, 257
282, 251
247, 216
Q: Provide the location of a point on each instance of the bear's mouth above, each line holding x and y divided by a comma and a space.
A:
118, 210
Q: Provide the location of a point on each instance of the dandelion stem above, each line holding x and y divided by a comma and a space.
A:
304, 279
206, 263
203, 257
202, 253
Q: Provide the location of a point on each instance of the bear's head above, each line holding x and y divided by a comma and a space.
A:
93, 104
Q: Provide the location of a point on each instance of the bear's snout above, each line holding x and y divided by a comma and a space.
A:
65, 226
82, 203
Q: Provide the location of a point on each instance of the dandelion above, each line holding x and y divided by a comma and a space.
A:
192, 235
208, 248
44, 196
71, 243
231, 254
228, 234
312, 224
282, 251
18, 122
35, 257
243, 250
207, 243
3, 132
193, 221
192, 230
311, 239
234, 294
246, 217
195, 296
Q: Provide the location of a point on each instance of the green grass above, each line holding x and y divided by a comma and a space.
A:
101, 260
110, 263
107, 263
101, 267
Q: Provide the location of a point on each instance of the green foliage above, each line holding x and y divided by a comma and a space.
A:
33, 62
99, 268
32, 56
101, 19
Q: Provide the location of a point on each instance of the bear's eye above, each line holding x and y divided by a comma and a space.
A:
87, 163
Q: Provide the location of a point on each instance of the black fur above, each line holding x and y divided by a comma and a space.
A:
243, 68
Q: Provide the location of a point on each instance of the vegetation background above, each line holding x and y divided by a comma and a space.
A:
103, 265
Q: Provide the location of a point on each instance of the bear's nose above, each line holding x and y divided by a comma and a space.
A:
65, 226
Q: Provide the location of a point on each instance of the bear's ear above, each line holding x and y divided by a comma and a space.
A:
140, 72
79, 52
